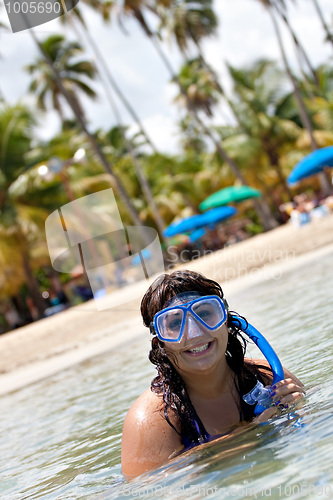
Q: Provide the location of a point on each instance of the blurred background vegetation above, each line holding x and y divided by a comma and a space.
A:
278, 113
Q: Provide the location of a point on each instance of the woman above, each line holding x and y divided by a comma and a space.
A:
202, 374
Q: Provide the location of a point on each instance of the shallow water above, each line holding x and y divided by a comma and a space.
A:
60, 438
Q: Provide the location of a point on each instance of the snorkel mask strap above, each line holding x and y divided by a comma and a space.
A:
264, 347
152, 328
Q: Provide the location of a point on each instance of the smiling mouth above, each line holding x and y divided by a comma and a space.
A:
200, 349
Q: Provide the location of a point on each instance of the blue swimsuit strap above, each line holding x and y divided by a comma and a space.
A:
202, 436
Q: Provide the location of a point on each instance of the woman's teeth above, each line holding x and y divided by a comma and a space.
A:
200, 349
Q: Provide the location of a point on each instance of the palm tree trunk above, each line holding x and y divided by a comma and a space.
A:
21, 308
303, 112
261, 206
119, 186
112, 82
298, 45
329, 35
121, 96
32, 283
301, 50
275, 163
220, 88
137, 164
324, 183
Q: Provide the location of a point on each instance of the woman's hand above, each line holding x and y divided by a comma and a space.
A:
285, 393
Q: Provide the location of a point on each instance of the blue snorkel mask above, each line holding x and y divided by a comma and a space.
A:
211, 311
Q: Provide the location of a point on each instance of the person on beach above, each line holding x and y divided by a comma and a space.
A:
202, 374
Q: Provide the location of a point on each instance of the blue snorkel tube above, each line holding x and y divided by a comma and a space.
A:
267, 351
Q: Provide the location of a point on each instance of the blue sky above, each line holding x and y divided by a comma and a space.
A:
245, 33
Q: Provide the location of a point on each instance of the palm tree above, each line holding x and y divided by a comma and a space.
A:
142, 178
73, 103
137, 164
300, 51
118, 139
273, 6
76, 75
264, 110
191, 138
135, 8
21, 216
322, 103
104, 8
201, 87
188, 20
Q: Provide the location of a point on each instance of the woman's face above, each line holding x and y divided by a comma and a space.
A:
199, 349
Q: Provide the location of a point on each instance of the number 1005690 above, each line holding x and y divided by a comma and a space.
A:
33, 7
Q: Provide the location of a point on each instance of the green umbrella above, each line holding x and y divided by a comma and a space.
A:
229, 195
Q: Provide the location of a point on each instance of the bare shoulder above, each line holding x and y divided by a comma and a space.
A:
148, 440
263, 362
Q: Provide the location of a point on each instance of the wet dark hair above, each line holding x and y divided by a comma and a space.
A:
168, 382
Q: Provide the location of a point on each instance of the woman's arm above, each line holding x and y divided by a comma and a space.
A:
267, 374
148, 440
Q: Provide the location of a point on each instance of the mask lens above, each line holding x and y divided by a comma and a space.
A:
209, 311
169, 324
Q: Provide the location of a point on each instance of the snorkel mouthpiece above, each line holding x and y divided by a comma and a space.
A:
260, 395
260, 392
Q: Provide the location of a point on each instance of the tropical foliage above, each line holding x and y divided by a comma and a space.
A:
24, 205
278, 114
76, 75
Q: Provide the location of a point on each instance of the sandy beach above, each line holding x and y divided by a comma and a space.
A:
43, 348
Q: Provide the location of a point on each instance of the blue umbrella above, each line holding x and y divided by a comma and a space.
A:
215, 215
183, 226
210, 218
196, 235
312, 164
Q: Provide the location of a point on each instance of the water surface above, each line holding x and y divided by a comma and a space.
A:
60, 438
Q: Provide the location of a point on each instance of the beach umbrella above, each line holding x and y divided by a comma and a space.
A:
229, 195
216, 215
196, 235
183, 226
312, 164
210, 218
